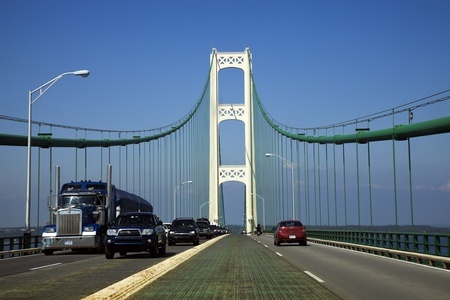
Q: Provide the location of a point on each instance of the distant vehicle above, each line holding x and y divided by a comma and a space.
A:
167, 227
215, 230
183, 230
136, 232
204, 230
258, 230
204, 220
290, 231
82, 213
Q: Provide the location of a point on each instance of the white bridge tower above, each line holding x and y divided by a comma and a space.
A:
239, 112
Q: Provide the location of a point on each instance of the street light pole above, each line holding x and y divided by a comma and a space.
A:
291, 165
42, 89
264, 209
175, 189
201, 208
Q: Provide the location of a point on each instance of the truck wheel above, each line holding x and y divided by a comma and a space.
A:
109, 254
100, 248
48, 252
162, 250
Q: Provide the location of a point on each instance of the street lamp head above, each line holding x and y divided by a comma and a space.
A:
82, 73
269, 154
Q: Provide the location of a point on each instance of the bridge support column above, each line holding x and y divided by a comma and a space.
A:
239, 112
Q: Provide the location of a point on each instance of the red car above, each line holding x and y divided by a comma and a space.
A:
289, 231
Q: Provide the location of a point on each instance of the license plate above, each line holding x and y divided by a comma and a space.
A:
68, 243
292, 236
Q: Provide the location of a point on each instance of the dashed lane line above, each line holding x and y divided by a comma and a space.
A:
314, 276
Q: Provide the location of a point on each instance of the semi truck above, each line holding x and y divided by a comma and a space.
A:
82, 212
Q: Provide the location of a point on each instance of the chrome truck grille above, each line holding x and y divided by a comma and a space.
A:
68, 222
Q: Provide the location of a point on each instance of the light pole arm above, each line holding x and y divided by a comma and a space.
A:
201, 206
175, 189
264, 209
291, 166
43, 88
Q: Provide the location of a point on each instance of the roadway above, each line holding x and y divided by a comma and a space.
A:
71, 275
345, 274
357, 275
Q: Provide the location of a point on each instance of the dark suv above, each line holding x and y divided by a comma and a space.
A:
203, 229
135, 232
183, 230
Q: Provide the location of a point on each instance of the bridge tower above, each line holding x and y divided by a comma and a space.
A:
240, 112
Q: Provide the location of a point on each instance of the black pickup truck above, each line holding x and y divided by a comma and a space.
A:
136, 232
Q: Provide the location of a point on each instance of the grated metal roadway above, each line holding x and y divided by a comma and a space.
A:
235, 267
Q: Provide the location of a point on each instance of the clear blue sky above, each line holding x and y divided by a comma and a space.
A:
314, 62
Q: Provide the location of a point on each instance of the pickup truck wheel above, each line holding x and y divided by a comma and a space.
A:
109, 254
153, 251
162, 250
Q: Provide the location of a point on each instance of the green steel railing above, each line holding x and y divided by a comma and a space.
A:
418, 242
19, 245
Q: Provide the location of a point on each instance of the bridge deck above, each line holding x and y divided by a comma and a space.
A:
235, 267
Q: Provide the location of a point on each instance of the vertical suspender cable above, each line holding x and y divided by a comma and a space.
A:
345, 185
76, 157
370, 182
335, 185
319, 194
328, 185
395, 174
410, 174
85, 157
357, 182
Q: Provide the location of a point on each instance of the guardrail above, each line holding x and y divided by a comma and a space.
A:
425, 259
20, 252
19, 245
424, 248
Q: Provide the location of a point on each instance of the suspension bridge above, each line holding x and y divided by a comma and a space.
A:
344, 181
359, 172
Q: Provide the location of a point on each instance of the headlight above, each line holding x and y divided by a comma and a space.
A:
89, 229
192, 232
147, 231
112, 232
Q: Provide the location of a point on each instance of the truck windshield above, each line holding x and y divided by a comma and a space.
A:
135, 220
77, 201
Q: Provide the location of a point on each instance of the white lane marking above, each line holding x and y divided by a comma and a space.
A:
314, 276
47, 266
279, 254
265, 246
